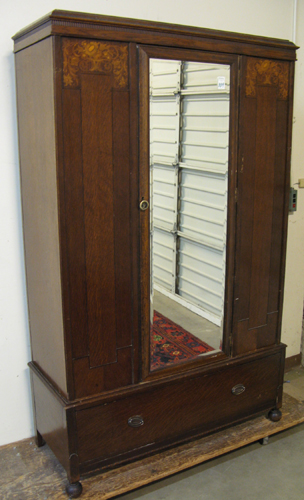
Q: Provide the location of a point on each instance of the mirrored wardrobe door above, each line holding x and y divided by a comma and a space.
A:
188, 131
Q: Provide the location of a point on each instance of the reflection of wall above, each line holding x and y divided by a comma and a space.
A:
259, 17
189, 121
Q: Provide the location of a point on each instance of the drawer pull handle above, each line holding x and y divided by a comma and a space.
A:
136, 421
238, 389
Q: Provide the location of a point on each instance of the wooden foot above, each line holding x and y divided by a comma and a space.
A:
275, 415
39, 440
74, 490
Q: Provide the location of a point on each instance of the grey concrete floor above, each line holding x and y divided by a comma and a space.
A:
255, 472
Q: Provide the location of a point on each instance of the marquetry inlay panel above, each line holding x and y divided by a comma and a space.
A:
266, 72
89, 56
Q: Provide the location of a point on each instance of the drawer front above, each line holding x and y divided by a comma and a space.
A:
174, 410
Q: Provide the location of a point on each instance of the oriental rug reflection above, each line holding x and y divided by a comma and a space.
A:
171, 344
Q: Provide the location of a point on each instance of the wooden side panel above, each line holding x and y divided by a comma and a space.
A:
51, 420
261, 202
97, 186
37, 149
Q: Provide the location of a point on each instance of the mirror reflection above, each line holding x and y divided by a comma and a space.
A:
189, 137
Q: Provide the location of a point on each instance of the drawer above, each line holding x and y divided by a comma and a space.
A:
175, 410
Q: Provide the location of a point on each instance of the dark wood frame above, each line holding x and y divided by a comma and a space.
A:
145, 53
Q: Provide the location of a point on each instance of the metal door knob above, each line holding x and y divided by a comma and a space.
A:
144, 204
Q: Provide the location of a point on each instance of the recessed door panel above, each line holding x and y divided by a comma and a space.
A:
97, 182
261, 201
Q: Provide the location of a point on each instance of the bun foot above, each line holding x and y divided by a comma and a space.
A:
275, 415
74, 490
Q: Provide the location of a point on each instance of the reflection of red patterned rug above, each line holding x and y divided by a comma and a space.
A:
170, 343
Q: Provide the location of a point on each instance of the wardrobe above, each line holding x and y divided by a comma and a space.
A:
155, 164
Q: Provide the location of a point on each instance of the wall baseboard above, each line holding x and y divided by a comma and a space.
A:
292, 361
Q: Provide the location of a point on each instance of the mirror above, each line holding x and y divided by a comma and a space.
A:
189, 147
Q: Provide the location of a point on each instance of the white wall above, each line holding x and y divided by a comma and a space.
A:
294, 281
262, 17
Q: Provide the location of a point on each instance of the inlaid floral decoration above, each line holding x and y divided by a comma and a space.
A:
90, 56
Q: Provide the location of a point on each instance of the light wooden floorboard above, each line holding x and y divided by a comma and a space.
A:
31, 473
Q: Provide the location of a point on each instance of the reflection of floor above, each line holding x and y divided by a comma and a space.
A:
193, 323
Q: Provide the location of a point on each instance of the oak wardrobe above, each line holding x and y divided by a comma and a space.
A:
155, 184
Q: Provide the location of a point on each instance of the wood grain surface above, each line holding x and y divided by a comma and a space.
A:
30, 473
261, 198
37, 146
98, 232
91, 350
133, 30
208, 404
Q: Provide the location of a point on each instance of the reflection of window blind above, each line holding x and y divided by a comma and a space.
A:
189, 120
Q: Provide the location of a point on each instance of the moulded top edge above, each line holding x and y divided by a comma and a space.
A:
68, 17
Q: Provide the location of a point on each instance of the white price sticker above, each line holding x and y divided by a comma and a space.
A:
221, 82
